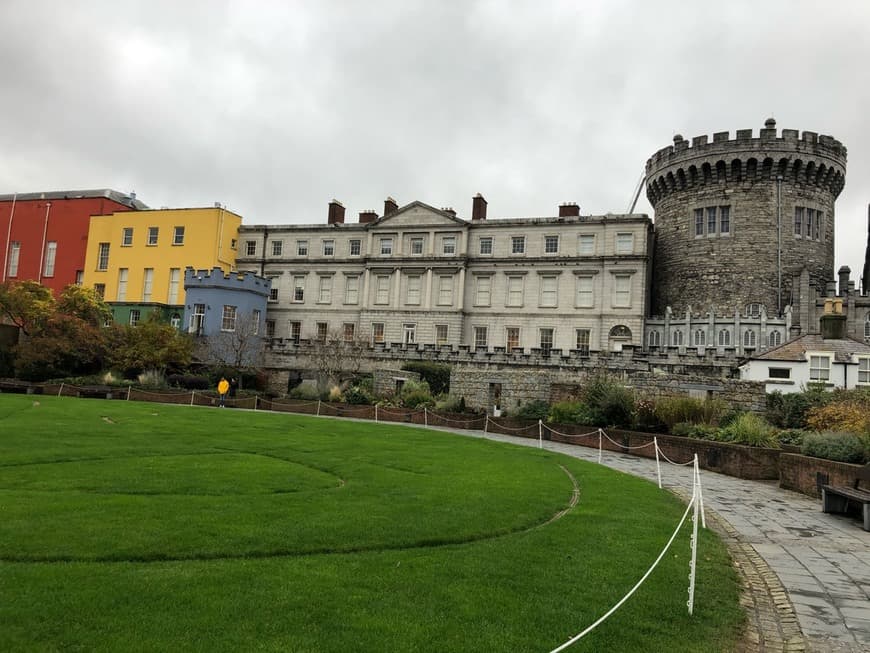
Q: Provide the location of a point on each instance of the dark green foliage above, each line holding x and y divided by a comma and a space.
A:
570, 412
793, 437
752, 430
357, 395
789, 411
436, 375
537, 409
611, 403
673, 410
842, 447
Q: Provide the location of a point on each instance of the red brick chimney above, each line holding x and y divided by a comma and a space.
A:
569, 210
390, 206
478, 208
336, 213
367, 216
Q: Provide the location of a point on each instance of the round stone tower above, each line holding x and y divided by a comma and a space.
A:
735, 220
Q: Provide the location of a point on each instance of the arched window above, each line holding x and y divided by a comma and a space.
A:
774, 339
724, 338
677, 338
749, 339
867, 328
655, 339
700, 338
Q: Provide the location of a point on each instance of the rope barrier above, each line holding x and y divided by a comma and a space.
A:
671, 461
458, 421
633, 589
570, 435
619, 444
508, 428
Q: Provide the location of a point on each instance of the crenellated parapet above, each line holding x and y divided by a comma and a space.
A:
216, 278
806, 158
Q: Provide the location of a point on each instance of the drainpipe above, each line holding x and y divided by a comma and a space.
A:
44, 234
9, 237
779, 245
263, 258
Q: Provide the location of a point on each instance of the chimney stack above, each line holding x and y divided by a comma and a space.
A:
478, 208
449, 210
336, 213
569, 210
367, 216
390, 206
844, 273
833, 322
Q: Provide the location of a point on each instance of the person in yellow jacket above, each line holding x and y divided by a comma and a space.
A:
223, 389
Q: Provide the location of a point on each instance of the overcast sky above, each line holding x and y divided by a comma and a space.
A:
275, 108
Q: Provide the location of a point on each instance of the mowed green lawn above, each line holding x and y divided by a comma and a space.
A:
129, 526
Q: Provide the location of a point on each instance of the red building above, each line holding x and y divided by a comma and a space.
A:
44, 236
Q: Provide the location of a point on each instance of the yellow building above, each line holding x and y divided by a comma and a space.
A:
136, 259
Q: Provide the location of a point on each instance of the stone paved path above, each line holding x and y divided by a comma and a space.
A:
802, 567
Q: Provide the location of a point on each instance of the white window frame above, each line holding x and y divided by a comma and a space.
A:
50, 257
442, 334
378, 332
448, 245
518, 245
147, 284
624, 243
551, 244
135, 317
549, 297
250, 247
349, 329
409, 333
622, 291
127, 237
298, 289
724, 338
699, 338
551, 331
174, 285
445, 290
515, 295
484, 245
509, 346
749, 339
863, 370
351, 289
585, 291
417, 245
354, 244
228, 318
153, 236
382, 289
582, 340
483, 290
324, 289
413, 289
328, 247
586, 244
385, 245
255, 316
819, 366
480, 337
677, 338
296, 331
103, 250
123, 275
178, 235
301, 248
14, 257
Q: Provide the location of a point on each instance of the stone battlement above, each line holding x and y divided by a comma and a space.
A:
767, 142
217, 278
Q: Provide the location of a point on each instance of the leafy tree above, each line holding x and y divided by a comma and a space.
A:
27, 304
151, 345
85, 304
64, 345
335, 357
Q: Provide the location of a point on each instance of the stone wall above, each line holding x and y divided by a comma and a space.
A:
387, 381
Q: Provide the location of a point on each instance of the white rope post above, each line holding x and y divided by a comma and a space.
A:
600, 443
376, 412
425, 416
540, 435
486, 425
691, 602
700, 491
658, 462
255, 401
318, 407
128, 392
192, 393
60, 390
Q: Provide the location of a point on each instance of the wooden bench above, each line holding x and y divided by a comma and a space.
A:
836, 498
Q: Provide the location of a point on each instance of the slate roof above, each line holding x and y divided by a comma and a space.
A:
108, 193
795, 350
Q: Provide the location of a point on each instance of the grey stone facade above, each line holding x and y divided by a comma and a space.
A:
722, 208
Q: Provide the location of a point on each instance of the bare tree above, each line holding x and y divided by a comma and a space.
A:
337, 357
242, 348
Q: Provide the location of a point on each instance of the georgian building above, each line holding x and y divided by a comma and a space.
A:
423, 276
